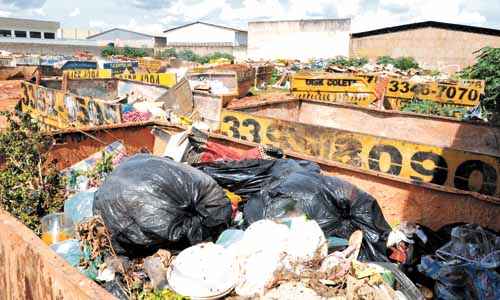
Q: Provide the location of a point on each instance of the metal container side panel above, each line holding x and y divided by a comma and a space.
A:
404, 161
289, 111
401, 201
439, 132
105, 89
423, 130
26, 72
31, 270
209, 108
10, 94
139, 90
73, 147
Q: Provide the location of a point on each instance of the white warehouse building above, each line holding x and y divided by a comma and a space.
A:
200, 33
123, 37
298, 39
205, 38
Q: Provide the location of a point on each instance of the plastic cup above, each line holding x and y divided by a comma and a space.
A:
56, 227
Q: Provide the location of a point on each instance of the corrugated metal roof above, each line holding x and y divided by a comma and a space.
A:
120, 29
433, 24
302, 20
204, 23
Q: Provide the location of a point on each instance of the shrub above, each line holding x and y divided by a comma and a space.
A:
109, 51
386, 60
487, 68
133, 52
349, 62
30, 185
167, 53
127, 51
403, 63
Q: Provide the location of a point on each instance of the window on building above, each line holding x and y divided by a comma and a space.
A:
49, 35
20, 34
35, 34
5, 33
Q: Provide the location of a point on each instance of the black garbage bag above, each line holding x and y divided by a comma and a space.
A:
246, 178
149, 202
467, 266
282, 188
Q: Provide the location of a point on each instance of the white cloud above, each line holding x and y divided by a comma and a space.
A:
98, 24
395, 12
4, 13
75, 12
193, 11
39, 12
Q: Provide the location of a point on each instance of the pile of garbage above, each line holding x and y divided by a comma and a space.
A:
252, 227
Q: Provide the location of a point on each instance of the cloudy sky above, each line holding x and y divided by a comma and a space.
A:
154, 16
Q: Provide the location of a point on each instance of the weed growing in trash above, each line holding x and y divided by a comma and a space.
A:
99, 254
487, 68
161, 295
95, 175
189, 55
30, 186
403, 63
349, 62
111, 50
432, 108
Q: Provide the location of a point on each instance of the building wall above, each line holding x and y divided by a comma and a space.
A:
76, 33
201, 33
124, 38
47, 48
25, 25
434, 48
301, 39
241, 38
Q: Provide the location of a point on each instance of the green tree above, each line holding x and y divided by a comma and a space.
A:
30, 185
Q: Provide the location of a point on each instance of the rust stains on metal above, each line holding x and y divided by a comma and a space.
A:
10, 94
260, 100
74, 146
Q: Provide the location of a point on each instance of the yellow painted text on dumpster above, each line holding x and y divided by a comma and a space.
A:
335, 88
88, 73
163, 79
57, 109
415, 162
465, 93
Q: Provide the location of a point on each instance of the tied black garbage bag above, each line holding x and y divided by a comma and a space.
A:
282, 188
467, 266
149, 203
